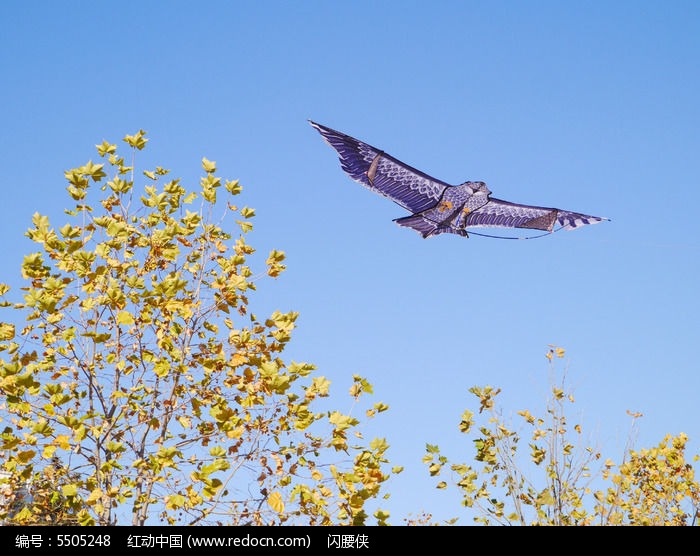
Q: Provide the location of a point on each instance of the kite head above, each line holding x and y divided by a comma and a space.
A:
479, 188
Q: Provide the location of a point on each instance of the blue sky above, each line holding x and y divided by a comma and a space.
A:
588, 107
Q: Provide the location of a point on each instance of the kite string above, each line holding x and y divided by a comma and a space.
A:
506, 237
500, 237
493, 236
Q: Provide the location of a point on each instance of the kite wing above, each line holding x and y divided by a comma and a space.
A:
382, 173
502, 214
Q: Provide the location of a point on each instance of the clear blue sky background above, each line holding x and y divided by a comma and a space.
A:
591, 107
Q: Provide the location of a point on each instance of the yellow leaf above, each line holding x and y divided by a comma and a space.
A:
379, 444
124, 317
208, 165
316, 475
69, 490
238, 359
545, 498
381, 515
7, 331
434, 469
275, 502
236, 432
320, 384
48, 451
174, 501
26, 455
95, 495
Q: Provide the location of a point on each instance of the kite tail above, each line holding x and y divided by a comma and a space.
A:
426, 227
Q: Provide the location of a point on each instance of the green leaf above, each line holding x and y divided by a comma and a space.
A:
42, 427
85, 519
382, 516
162, 368
217, 452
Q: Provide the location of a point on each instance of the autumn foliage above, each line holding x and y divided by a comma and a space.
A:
139, 388
557, 479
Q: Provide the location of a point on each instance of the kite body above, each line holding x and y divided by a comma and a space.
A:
437, 207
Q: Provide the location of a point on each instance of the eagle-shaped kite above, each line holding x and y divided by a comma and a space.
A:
437, 207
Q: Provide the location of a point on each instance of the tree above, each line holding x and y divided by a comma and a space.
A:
39, 501
650, 487
143, 389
